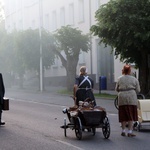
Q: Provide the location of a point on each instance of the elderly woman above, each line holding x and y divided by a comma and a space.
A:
83, 87
127, 87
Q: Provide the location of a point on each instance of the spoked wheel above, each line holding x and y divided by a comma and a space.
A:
140, 96
94, 130
78, 128
65, 127
106, 128
116, 102
139, 127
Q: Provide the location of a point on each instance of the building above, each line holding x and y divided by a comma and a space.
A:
51, 15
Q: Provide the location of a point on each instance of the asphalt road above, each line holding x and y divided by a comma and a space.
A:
34, 119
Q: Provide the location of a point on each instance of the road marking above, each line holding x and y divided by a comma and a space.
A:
30, 101
66, 143
49, 104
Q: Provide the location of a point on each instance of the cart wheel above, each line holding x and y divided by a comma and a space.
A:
139, 127
94, 130
140, 96
106, 128
65, 127
135, 125
78, 128
116, 102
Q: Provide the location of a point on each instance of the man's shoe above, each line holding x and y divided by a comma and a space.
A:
2, 123
123, 134
64, 126
131, 135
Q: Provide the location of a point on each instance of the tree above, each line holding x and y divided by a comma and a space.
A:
71, 41
124, 25
20, 52
29, 49
11, 61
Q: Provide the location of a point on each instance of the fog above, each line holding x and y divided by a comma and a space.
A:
26, 59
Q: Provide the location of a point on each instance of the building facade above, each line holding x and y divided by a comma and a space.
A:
51, 15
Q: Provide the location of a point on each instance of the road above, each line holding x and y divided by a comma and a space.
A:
34, 119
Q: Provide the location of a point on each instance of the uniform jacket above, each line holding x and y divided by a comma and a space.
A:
84, 88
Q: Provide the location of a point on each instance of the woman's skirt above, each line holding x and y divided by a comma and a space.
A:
128, 113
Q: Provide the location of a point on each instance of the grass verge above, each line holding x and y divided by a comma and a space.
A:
104, 95
97, 95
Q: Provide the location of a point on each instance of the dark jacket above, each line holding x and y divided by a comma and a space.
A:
2, 89
85, 87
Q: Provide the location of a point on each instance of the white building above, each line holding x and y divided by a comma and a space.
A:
24, 14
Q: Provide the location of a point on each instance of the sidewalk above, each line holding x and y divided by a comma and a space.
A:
56, 89
111, 92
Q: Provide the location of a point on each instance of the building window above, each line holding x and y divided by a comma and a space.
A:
62, 16
47, 25
55, 65
8, 28
14, 26
98, 3
71, 14
19, 4
33, 2
82, 58
54, 21
20, 25
81, 10
105, 61
33, 24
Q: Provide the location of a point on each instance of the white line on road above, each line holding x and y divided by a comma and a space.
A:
50, 104
66, 143
30, 101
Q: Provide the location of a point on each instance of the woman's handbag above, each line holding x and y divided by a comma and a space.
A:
5, 105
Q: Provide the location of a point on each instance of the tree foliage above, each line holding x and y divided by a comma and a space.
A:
71, 42
20, 51
10, 62
124, 25
29, 48
29, 45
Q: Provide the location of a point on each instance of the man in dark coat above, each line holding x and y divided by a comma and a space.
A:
83, 87
2, 93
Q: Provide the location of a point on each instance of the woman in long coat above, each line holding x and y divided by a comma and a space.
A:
127, 87
2, 92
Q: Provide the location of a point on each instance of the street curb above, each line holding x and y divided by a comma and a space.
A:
34, 91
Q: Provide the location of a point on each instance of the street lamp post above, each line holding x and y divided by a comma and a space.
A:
90, 38
40, 36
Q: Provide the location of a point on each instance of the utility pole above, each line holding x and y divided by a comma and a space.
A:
40, 36
91, 60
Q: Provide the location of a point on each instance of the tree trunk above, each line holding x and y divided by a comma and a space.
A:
144, 73
71, 74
